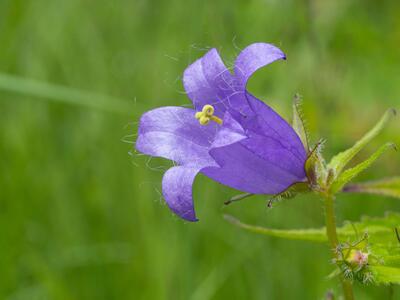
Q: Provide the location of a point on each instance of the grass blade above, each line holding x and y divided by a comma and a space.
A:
63, 94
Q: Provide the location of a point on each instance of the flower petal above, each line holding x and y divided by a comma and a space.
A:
230, 132
175, 134
254, 57
208, 81
242, 169
177, 190
268, 161
268, 123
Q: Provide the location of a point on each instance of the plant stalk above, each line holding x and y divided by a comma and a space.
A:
333, 241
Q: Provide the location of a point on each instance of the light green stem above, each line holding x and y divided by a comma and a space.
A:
333, 241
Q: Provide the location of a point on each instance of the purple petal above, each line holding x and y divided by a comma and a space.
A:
177, 190
230, 132
208, 81
269, 161
175, 134
243, 169
253, 58
268, 123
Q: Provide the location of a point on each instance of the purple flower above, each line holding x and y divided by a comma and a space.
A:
230, 136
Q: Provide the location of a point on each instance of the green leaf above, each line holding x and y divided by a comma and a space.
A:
299, 123
349, 174
381, 243
348, 230
339, 161
385, 187
385, 275
312, 235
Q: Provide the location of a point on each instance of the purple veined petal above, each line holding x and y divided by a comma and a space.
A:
268, 161
230, 132
175, 134
275, 152
267, 122
177, 191
254, 57
241, 168
208, 81
179, 120
219, 77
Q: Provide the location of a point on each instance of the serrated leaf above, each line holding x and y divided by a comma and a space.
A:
339, 161
376, 226
385, 275
385, 187
382, 242
298, 122
312, 235
351, 173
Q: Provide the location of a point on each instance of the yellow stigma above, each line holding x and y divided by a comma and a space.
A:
206, 114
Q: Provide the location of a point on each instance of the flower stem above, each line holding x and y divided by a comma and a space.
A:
333, 241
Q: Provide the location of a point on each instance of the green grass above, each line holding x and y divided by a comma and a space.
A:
82, 219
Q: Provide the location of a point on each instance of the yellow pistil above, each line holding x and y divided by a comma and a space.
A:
206, 114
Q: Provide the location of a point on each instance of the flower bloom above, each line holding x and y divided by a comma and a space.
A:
229, 136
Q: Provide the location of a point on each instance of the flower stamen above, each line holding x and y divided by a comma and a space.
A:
206, 115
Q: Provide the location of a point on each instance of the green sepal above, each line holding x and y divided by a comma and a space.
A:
339, 162
315, 167
346, 176
298, 122
294, 190
290, 192
385, 187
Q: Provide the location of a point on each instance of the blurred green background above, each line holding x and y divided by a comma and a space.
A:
81, 218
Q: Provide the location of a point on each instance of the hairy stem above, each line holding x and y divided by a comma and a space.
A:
333, 241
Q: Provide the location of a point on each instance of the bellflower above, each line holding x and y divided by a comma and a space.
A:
229, 136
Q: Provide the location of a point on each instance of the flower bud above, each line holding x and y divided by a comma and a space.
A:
358, 257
